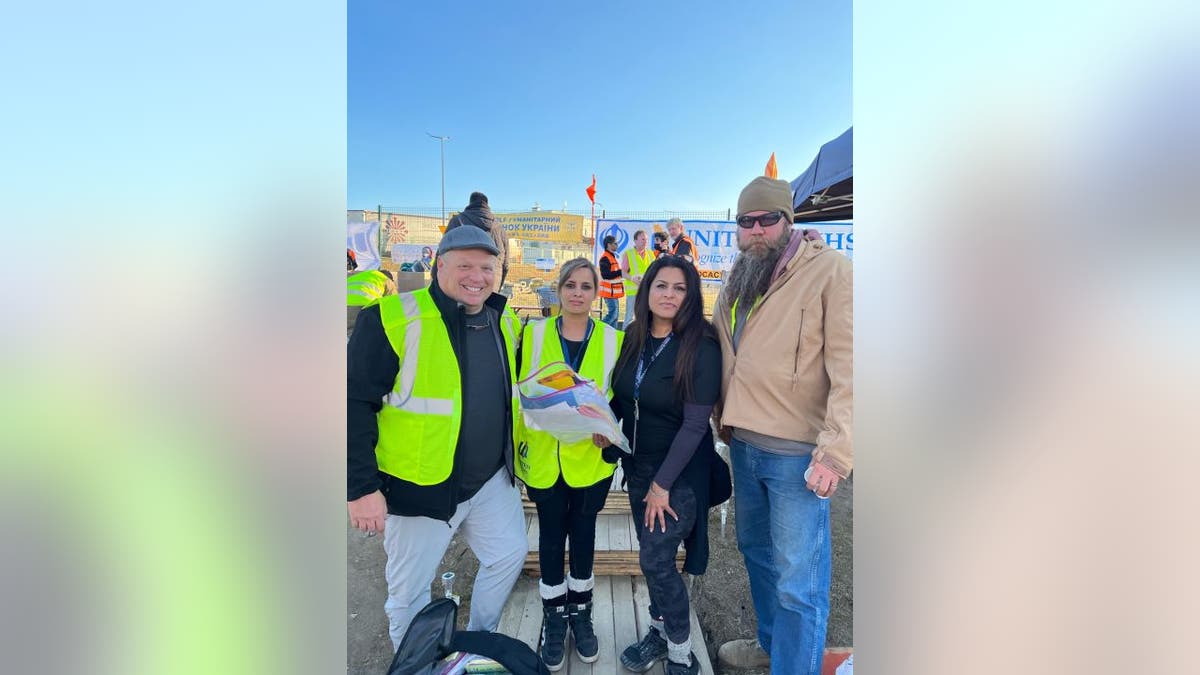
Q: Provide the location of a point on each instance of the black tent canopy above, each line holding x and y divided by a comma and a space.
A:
825, 191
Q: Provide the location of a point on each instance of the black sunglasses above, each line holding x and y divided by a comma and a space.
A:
766, 219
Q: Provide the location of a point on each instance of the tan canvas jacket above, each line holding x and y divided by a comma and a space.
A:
792, 376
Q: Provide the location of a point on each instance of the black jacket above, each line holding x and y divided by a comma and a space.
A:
372, 369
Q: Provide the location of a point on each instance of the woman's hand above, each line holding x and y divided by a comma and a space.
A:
601, 441
658, 502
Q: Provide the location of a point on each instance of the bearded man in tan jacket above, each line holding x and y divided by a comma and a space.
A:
784, 318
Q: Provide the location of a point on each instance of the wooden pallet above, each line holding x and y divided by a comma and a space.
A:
617, 502
620, 613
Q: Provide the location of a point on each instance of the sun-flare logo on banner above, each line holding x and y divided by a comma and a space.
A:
397, 232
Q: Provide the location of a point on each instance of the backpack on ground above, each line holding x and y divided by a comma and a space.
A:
431, 637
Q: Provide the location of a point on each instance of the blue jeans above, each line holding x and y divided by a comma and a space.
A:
610, 311
783, 533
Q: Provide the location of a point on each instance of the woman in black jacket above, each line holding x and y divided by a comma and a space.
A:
666, 382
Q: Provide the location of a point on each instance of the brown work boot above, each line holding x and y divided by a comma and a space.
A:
743, 654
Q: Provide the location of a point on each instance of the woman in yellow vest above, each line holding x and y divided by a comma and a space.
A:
568, 482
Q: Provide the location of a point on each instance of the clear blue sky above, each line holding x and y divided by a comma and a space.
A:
673, 105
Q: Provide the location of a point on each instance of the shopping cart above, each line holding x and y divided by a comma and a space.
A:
547, 300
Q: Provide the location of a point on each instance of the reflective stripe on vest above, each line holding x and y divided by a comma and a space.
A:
638, 264
541, 458
421, 417
611, 288
364, 288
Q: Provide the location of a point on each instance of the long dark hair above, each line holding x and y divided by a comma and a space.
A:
689, 326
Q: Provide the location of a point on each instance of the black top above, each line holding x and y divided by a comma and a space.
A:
662, 411
483, 394
674, 439
576, 349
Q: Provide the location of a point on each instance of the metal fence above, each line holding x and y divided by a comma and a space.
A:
436, 212
526, 277
382, 212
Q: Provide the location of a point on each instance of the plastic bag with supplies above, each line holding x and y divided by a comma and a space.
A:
556, 400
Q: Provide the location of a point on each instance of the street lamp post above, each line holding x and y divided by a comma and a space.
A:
442, 145
596, 205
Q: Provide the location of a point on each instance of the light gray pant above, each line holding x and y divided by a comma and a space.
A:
494, 525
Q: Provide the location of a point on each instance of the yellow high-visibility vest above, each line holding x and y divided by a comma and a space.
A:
540, 457
365, 288
638, 263
422, 415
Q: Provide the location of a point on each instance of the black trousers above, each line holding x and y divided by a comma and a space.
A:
564, 511
668, 593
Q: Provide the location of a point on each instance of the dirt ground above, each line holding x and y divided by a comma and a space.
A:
722, 595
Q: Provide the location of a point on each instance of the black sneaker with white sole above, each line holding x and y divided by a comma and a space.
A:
642, 655
582, 632
554, 636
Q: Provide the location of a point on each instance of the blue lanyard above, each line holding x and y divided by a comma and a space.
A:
638, 376
562, 342
643, 366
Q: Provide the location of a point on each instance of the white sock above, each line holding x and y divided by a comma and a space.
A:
680, 653
658, 625
581, 585
551, 592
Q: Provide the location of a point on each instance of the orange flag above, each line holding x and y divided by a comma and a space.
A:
591, 191
772, 170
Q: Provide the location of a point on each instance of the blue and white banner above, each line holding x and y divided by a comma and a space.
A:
838, 236
363, 238
716, 240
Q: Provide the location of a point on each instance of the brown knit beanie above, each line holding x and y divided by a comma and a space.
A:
766, 194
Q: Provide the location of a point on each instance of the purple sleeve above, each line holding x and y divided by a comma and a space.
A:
687, 439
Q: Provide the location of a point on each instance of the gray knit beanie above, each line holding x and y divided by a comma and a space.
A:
766, 194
